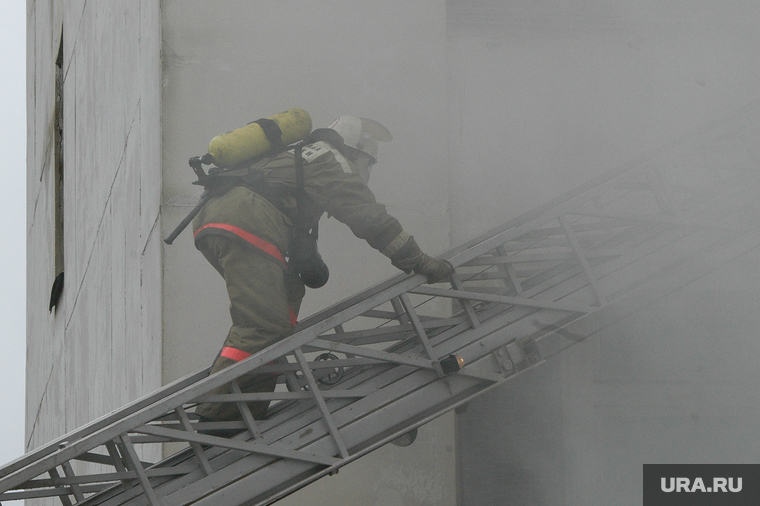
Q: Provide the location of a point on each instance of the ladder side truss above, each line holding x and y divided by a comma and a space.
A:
381, 363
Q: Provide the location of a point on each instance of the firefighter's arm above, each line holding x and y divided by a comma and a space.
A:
344, 196
350, 201
409, 257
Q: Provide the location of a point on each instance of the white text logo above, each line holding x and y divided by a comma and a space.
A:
698, 485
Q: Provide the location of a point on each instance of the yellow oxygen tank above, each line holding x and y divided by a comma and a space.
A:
250, 141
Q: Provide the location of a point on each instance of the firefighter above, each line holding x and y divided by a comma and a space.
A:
247, 234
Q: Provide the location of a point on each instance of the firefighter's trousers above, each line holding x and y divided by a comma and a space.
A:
264, 303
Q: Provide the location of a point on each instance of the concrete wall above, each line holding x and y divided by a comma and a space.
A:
545, 95
229, 63
101, 347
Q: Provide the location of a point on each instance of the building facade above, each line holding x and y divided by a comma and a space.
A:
495, 107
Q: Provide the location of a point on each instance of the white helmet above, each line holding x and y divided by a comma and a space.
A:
361, 134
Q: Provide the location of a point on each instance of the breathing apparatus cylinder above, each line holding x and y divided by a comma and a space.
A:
248, 142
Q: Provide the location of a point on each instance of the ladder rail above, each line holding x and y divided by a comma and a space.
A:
99, 423
166, 399
525, 289
609, 315
190, 393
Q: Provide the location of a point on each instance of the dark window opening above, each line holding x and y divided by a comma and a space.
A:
57, 289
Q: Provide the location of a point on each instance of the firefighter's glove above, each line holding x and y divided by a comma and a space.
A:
411, 258
435, 270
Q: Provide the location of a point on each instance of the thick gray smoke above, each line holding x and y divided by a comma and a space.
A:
547, 95
495, 107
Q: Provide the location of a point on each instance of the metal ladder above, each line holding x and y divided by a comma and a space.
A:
381, 363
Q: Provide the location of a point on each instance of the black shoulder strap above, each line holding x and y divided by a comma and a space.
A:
329, 136
334, 139
273, 133
300, 186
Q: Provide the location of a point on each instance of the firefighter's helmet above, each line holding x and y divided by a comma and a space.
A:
361, 134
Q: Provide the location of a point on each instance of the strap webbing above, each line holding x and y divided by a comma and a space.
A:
273, 133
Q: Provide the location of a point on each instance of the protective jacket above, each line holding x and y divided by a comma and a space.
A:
262, 215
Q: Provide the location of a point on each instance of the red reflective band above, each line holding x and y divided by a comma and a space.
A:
266, 247
293, 317
234, 354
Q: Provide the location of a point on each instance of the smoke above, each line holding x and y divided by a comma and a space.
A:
495, 107
544, 96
